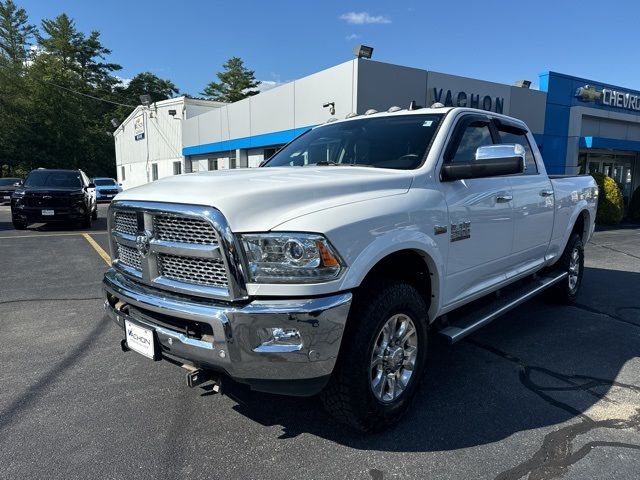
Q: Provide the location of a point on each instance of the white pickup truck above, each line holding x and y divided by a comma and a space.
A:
327, 269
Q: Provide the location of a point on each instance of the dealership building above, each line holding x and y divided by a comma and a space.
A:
580, 125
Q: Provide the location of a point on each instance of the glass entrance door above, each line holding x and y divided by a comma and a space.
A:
618, 165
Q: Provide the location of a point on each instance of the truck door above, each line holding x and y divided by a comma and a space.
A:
533, 205
480, 217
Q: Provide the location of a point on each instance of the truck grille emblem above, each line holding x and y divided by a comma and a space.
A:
142, 244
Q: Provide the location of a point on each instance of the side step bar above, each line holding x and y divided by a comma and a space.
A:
468, 324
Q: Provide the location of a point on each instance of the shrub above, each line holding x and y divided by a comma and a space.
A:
634, 205
610, 203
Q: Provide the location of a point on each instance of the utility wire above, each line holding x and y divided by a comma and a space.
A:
87, 95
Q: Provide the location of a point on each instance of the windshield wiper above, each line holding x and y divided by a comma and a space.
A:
326, 163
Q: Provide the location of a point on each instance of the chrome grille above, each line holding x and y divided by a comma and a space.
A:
126, 222
187, 251
184, 229
200, 271
129, 257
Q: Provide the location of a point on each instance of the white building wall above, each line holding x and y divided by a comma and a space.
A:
162, 142
298, 104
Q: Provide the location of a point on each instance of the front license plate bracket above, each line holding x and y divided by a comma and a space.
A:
141, 339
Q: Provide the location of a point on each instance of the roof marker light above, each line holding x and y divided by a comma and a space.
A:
395, 108
371, 111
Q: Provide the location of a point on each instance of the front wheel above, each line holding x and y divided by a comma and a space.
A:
94, 214
382, 357
86, 219
19, 225
572, 262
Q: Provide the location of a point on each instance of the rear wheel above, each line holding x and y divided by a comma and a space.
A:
382, 357
572, 262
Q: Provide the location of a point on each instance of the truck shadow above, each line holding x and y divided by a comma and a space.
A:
97, 225
538, 366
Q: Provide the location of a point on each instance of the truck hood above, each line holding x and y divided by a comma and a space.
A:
259, 199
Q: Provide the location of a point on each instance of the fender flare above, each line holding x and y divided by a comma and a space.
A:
392, 242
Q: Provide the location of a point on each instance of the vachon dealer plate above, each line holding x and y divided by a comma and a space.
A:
139, 339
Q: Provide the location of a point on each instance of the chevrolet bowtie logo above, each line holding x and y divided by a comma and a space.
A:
588, 93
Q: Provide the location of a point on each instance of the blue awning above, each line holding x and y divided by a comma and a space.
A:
255, 141
609, 143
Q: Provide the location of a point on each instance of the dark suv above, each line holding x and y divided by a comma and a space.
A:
54, 196
7, 187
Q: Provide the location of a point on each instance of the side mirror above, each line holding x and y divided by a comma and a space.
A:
18, 183
490, 161
91, 185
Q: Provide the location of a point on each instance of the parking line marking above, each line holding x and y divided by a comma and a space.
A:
47, 235
98, 248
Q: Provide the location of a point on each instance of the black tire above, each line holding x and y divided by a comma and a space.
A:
349, 397
86, 221
567, 290
19, 225
94, 214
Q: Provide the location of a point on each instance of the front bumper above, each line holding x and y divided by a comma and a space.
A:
105, 197
61, 214
225, 338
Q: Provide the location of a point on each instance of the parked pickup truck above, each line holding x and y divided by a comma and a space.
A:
327, 269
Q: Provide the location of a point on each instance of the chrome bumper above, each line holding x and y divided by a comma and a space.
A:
234, 346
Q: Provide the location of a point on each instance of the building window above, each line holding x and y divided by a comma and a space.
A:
177, 168
213, 164
154, 171
269, 152
122, 175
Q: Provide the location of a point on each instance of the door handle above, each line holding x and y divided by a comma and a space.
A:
546, 193
502, 198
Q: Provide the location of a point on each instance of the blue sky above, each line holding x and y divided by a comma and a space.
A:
187, 41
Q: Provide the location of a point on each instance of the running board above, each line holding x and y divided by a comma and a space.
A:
473, 321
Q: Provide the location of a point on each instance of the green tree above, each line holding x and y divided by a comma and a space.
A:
73, 129
15, 33
145, 83
150, 84
235, 83
15, 36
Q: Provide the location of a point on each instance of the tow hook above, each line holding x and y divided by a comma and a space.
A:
199, 376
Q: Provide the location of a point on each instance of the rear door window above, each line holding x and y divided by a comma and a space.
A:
476, 134
510, 135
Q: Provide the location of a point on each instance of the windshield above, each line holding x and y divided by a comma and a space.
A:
44, 178
387, 142
8, 181
104, 182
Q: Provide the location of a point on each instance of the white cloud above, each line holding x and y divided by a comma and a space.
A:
268, 85
351, 36
123, 82
362, 18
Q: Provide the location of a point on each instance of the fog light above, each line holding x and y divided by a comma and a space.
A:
278, 339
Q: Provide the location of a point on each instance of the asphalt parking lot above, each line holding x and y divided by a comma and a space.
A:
545, 392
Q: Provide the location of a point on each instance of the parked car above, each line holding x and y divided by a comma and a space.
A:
328, 269
54, 196
8, 185
106, 188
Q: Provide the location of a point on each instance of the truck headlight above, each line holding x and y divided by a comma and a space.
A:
290, 258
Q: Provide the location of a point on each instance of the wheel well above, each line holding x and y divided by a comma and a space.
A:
581, 225
406, 265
